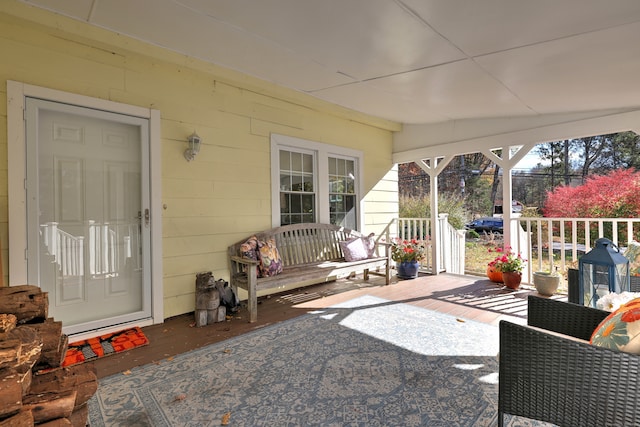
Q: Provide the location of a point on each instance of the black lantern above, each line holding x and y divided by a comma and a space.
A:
601, 271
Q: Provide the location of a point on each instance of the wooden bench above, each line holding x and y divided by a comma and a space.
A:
310, 254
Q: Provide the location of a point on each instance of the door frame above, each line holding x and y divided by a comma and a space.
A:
16, 153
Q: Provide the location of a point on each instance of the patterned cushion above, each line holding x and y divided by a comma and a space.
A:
269, 257
249, 248
621, 329
370, 244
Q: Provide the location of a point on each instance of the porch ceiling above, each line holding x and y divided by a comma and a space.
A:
410, 61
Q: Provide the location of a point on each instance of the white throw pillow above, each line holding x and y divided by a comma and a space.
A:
354, 249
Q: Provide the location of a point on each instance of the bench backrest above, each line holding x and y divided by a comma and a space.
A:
301, 244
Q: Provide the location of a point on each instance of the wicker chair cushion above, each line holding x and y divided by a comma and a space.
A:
621, 329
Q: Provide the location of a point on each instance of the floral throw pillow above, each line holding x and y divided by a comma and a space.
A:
269, 257
249, 248
621, 329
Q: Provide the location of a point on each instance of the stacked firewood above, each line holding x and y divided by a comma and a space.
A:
34, 387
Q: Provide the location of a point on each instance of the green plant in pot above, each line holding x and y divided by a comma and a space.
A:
546, 282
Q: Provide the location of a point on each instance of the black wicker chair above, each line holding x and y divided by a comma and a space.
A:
547, 377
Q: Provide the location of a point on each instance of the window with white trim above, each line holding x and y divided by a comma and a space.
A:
297, 187
314, 182
342, 192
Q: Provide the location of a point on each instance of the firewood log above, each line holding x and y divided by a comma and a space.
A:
10, 392
54, 342
21, 419
80, 416
81, 378
49, 406
7, 323
9, 352
59, 422
31, 347
26, 302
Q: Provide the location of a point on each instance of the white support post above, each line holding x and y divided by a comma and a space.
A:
435, 228
433, 167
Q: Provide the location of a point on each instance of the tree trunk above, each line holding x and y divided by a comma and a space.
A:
494, 187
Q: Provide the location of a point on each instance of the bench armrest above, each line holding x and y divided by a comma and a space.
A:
245, 261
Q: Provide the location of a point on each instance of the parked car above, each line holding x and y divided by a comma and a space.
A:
488, 224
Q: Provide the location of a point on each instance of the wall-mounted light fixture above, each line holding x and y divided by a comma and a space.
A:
194, 147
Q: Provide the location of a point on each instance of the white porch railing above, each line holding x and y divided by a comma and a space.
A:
451, 243
556, 243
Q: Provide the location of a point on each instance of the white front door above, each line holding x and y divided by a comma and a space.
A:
88, 228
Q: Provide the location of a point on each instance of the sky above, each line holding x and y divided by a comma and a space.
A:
529, 161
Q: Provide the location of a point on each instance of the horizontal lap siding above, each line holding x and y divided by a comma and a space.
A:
225, 193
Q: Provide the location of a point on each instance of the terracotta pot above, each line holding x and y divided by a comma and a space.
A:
494, 275
511, 279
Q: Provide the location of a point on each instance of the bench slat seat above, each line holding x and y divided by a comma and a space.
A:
310, 253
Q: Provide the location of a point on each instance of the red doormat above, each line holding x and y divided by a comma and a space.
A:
105, 345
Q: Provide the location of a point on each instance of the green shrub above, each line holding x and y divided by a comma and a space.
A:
420, 207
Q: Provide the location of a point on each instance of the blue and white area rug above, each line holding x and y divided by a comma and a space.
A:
367, 362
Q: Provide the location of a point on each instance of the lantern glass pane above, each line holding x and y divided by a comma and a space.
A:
622, 278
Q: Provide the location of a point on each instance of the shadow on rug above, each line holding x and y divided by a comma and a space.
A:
367, 362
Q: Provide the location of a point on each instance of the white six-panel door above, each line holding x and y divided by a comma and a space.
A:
88, 214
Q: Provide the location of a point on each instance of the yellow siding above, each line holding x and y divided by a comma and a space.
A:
224, 194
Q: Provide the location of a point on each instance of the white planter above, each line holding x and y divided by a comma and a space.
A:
546, 283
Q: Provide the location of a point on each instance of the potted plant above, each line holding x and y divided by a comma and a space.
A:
510, 265
407, 254
546, 282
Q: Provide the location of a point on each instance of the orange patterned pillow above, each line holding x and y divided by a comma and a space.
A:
621, 329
